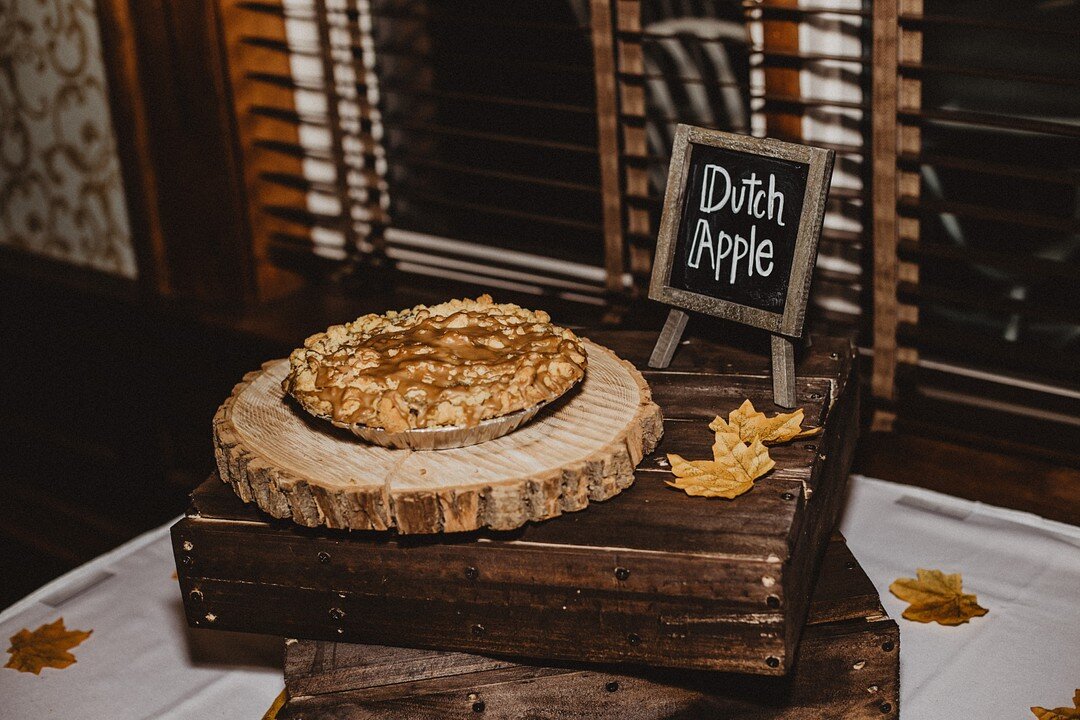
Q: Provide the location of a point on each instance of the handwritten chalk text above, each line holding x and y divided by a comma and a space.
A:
735, 256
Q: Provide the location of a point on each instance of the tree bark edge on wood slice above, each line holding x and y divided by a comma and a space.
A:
501, 505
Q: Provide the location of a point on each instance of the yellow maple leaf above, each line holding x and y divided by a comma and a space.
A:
748, 424
707, 478
936, 597
1061, 713
45, 647
751, 461
730, 473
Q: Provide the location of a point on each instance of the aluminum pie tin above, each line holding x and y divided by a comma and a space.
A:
447, 436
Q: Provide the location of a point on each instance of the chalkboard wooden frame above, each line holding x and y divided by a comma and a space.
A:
820, 162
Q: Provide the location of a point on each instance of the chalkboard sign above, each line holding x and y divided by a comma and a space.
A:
739, 231
738, 238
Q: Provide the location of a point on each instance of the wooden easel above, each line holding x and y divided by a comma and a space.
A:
783, 356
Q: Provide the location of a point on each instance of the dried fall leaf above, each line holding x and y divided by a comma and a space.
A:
730, 473
1061, 713
45, 647
936, 597
707, 478
751, 460
725, 444
748, 425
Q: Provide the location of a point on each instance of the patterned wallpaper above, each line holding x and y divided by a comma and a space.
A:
60, 187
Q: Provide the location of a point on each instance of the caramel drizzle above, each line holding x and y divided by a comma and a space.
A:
500, 364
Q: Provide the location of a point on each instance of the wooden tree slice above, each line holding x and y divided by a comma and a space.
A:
583, 448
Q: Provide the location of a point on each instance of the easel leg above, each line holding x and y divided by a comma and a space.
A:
783, 372
669, 339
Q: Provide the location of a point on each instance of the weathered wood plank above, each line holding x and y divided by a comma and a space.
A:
825, 498
825, 685
527, 621
651, 577
818, 356
582, 448
686, 396
314, 668
847, 667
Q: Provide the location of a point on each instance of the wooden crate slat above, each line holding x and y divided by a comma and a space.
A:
847, 667
694, 583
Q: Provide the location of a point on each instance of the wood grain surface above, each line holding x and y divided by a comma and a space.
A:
651, 577
582, 449
847, 667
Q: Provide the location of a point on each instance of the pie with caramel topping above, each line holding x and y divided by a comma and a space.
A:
453, 364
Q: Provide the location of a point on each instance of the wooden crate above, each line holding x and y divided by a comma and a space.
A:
650, 577
847, 667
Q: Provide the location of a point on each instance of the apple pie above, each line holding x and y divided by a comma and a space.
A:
453, 364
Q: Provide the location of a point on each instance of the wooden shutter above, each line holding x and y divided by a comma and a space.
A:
977, 216
517, 144
453, 138
742, 67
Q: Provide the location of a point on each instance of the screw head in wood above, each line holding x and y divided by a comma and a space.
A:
887, 646
850, 564
884, 707
621, 573
834, 356
772, 601
815, 396
786, 496
323, 557
478, 706
810, 447
633, 639
187, 560
195, 595
612, 686
773, 662
336, 613
471, 573
477, 630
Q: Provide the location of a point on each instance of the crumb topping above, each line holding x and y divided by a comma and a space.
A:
456, 363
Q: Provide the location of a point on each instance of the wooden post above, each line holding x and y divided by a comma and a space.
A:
883, 380
782, 36
607, 122
783, 371
669, 339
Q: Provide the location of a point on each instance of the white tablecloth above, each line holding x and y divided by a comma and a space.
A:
142, 661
